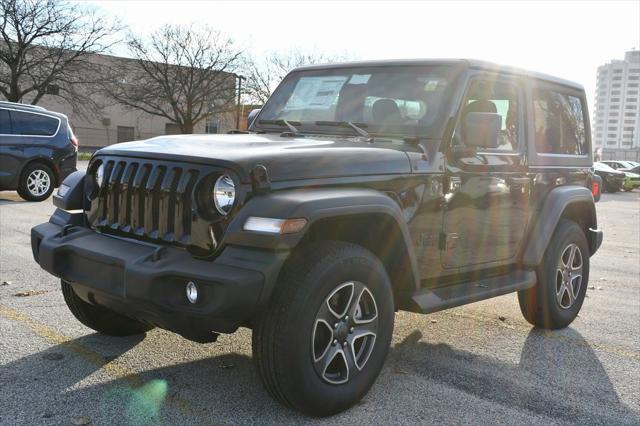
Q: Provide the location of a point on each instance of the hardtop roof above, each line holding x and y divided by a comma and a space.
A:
468, 63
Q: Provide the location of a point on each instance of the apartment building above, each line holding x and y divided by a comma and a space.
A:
616, 123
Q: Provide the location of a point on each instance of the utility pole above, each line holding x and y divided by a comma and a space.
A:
240, 78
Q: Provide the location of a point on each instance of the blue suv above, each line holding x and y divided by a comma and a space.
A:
37, 150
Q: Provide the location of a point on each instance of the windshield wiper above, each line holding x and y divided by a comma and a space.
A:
293, 130
359, 130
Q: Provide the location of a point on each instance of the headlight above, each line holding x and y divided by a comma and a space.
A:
100, 175
224, 194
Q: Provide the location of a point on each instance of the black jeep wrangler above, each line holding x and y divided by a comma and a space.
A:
361, 189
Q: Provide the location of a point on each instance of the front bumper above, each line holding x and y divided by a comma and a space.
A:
147, 282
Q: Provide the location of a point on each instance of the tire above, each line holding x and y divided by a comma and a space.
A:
101, 319
36, 182
291, 342
551, 304
612, 187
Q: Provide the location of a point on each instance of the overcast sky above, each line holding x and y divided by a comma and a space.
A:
567, 39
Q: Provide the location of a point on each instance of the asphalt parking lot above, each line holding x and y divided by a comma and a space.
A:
480, 363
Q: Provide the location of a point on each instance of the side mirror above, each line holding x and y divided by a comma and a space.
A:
481, 129
252, 116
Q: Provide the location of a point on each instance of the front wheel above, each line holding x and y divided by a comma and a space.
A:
322, 341
563, 276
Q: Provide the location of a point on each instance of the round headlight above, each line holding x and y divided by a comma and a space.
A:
224, 194
100, 175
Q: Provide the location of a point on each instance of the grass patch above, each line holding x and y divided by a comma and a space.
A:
84, 156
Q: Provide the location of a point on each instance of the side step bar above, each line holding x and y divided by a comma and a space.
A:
437, 299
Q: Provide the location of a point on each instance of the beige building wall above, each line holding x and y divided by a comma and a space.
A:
115, 123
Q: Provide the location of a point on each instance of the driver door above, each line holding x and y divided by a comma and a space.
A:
486, 206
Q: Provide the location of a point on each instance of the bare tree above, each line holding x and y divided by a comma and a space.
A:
184, 74
262, 76
45, 49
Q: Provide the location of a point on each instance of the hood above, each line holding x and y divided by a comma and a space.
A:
284, 158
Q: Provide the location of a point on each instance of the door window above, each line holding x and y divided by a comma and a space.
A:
496, 97
559, 123
28, 124
5, 122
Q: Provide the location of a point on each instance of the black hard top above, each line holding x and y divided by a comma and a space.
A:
469, 63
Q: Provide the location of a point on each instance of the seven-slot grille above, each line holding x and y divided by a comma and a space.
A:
147, 199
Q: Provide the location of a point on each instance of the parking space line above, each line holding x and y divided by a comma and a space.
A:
113, 368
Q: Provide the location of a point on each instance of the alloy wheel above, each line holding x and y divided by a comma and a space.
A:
569, 276
38, 183
344, 332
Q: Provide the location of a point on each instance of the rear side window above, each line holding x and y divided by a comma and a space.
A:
5, 123
28, 124
559, 123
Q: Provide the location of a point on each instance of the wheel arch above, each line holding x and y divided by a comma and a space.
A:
568, 202
361, 216
47, 162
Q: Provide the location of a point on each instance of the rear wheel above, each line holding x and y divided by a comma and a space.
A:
322, 342
562, 280
101, 319
36, 183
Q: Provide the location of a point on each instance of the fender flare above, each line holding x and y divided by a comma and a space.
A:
315, 205
549, 214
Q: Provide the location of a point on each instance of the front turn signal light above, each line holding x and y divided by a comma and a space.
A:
274, 226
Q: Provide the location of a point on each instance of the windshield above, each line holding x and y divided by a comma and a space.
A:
405, 101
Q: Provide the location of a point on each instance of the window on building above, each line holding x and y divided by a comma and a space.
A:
615, 99
618, 71
612, 135
632, 92
211, 126
26, 123
126, 133
632, 85
630, 106
612, 128
171, 129
616, 85
613, 114
629, 121
53, 89
631, 100
634, 77
628, 129
629, 114
616, 78
559, 123
615, 92
611, 143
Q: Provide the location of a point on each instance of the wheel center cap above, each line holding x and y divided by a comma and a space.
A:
342, 331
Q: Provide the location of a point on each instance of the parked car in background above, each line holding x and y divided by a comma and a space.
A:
612, 179
631, 180
621, 164
37, 150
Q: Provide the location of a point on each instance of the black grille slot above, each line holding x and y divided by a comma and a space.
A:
146, 199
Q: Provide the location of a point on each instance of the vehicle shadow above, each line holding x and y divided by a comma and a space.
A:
10, 197
559, 376
561, 379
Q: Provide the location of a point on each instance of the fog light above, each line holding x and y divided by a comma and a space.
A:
192, 292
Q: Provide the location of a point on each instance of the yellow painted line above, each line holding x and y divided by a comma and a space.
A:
550, 334
113, 368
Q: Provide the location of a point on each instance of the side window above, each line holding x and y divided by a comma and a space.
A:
25, 123
5, 123
559, 123
497, 97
